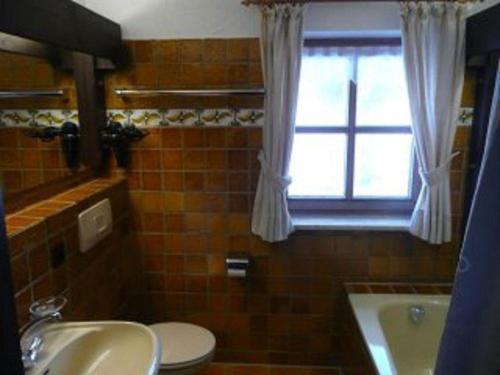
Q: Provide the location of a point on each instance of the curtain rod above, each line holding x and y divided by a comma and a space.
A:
223, 92
271, 2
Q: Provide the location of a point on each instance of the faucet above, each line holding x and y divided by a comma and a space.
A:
417, 314
42, 311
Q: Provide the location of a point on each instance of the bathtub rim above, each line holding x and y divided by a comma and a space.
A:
366, 308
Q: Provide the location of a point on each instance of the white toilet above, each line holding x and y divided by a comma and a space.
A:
186, 348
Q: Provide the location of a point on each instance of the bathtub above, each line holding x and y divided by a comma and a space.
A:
395, 343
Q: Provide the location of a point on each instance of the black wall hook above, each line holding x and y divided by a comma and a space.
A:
69, 134
117, 138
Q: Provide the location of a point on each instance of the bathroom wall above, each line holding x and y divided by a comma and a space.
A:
31, 169
191, 189
171, 19
18, 72
187, 201
188, 64
46, 261
25, 162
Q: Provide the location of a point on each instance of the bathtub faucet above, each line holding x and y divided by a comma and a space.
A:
417, 314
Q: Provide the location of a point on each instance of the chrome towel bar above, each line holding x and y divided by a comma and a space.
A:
222, 92
31, 94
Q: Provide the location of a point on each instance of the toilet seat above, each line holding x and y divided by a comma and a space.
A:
183, 344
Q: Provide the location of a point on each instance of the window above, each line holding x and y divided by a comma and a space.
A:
353, 147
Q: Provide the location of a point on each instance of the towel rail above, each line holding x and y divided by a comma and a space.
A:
221, 92
31, 94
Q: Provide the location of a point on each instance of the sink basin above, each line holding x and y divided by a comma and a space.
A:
97, 348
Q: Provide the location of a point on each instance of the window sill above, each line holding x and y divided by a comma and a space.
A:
386, 223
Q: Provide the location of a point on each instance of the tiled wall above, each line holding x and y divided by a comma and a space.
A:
24, 162
191, 193
18, 72
188, 64
98, 284
27, 162
192, 190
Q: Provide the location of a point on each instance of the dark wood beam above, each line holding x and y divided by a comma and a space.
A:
63, 24
483, 32
483, 48
91, 109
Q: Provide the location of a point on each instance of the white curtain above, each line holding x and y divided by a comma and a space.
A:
434, 53
282, 39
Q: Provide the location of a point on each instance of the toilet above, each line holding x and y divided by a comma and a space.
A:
186, 348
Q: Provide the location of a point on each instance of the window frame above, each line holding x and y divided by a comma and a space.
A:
350, 204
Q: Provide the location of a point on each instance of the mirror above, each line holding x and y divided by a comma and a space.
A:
36, 100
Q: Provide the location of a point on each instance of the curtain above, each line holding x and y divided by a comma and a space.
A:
433, 36
471, 340
282, 39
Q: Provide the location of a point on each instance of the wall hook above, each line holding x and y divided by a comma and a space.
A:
69, 134
117, 138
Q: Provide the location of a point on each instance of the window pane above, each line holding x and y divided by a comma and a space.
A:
323, 91
318, 165
383, 165
382, 97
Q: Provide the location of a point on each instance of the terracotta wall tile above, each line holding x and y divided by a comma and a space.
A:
26, 163
35, 274
166, 51
192, 63
173, 181
238, 49
172, 159
142, 51
214, 50
152, 181
191, 50
34, 73
194, 159
169, 75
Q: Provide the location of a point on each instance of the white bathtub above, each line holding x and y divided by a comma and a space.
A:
396, 344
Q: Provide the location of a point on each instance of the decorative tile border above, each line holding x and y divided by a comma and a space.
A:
138, 117
466, 116
158, 117
398, 288
188, 117
31, 117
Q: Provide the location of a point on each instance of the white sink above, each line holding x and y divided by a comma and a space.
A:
97, 348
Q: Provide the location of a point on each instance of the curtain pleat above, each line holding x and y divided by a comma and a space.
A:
282, 40
433, 36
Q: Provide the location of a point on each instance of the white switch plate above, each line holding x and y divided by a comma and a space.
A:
94, 224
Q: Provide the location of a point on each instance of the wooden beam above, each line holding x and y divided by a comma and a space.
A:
485, 89
483, 32
91, 109
63, 24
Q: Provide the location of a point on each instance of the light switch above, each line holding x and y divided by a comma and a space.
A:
94, 224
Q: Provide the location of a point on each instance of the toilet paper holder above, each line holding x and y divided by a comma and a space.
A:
237, 264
